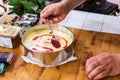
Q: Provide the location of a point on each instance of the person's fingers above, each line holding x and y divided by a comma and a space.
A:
101, 75
44, 20
55, 19
96, 71
45, 13
91, 66
44, 10
90, 60
42, 13
95, 58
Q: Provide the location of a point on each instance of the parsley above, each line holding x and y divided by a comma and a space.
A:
27, 6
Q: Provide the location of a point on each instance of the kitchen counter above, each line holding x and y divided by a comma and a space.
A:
87, 44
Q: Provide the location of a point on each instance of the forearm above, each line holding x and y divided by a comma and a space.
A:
71, 4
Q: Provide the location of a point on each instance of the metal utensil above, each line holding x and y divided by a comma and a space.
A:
54, 40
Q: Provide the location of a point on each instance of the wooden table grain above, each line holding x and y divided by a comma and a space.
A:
87, 44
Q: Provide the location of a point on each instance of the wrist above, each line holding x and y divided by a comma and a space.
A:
66, 6
71, 4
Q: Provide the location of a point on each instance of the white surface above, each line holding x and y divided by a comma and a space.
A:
108, 28
1, 1
92, 22
4, 16
92, 25
76, 19
6, 42
112, 20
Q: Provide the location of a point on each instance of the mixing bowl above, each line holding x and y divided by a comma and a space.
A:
37, 40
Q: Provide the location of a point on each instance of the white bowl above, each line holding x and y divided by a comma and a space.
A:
4, 16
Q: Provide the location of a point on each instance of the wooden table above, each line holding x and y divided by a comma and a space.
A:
87, 44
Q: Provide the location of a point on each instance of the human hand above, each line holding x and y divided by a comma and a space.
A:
103, 65
56, 12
